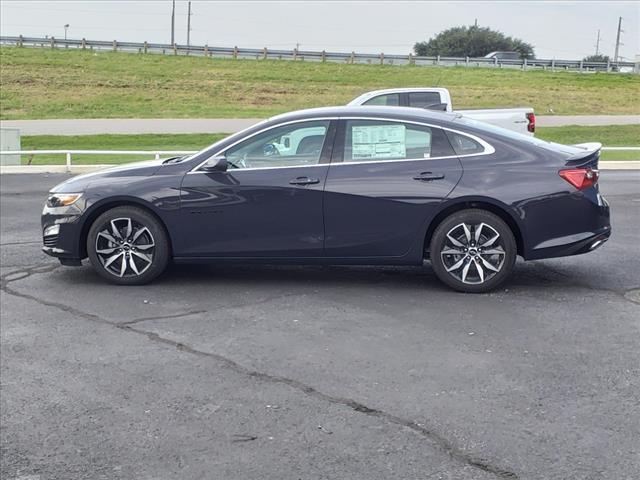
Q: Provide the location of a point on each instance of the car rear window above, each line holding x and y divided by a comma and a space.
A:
510, 134
464, 145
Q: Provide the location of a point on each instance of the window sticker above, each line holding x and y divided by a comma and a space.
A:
378, 141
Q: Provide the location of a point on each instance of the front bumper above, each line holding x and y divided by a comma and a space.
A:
61, 234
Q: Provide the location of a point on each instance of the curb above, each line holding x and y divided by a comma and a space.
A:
75, 169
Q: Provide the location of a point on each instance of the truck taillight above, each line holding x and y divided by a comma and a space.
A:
531, 126
581, 178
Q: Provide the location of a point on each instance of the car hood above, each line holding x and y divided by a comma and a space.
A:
79, 183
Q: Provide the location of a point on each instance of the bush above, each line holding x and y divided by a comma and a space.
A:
596, 58
473, 42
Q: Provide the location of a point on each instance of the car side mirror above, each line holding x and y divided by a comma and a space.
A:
216, 164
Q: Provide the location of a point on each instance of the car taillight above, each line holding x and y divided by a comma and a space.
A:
531, 126
581, 178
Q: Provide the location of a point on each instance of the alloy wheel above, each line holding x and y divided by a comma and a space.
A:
125, 247
473, 253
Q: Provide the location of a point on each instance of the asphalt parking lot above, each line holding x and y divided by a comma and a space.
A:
319, 372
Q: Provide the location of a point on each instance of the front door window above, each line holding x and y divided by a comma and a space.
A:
294, 145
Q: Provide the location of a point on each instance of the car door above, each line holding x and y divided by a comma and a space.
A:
384, 184
269, 201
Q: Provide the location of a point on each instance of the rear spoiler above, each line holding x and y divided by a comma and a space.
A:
588, 157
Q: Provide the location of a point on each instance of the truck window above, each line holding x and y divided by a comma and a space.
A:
423, 99
389, 100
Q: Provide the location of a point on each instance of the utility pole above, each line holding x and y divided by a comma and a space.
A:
476, 23
615, 56
66, 27
189, 26
598, 43
173, 22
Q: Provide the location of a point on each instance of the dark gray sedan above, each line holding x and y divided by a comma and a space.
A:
342, 185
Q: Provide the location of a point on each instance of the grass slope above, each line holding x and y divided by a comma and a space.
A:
42, 83
625, 135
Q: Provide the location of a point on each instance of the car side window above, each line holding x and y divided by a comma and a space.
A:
374, 140
424, 99
464, 145
286, 146
389, 100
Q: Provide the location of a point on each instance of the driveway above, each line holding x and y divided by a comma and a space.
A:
319, 372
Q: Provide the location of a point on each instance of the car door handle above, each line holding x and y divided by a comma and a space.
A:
304, 181
429, 176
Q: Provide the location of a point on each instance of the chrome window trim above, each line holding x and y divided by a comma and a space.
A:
488, 148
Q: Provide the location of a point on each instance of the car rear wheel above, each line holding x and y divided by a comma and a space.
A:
128, 246
473, 251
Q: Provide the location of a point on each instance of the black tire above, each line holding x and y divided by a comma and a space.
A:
128, 232
454, 246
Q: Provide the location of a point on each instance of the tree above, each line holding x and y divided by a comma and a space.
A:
473, 42
596, 58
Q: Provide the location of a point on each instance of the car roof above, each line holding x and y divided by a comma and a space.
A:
378, 112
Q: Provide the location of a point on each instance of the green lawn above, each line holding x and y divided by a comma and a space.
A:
609, 136
624, 135
44, 83
110, 142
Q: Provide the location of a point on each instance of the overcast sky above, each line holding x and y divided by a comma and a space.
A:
556, 29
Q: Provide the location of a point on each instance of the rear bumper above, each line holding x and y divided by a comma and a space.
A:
571, 245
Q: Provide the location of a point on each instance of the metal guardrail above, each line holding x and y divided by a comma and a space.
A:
307, 55
157, 154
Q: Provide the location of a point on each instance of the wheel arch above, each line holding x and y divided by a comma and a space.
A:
482, 203
98, 209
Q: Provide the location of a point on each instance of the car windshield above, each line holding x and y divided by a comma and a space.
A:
504, 132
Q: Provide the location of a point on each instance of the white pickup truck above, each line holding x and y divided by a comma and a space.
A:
521, 120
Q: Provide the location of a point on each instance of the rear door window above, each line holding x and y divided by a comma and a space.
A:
389, 100
378, 140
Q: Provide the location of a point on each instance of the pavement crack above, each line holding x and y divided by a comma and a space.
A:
436, 438
162, 317
443, 443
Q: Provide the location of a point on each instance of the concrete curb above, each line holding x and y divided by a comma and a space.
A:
75, 169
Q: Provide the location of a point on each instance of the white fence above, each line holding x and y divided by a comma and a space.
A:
157, 154
317, 56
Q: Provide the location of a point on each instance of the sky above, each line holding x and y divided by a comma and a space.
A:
557, 29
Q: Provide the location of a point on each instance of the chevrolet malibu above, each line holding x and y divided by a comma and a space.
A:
339, 185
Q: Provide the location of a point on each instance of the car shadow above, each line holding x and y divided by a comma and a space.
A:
526, 276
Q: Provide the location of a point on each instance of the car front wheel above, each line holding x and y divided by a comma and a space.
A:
473, 251
128, 246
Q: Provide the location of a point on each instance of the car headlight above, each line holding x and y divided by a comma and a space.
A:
62, 199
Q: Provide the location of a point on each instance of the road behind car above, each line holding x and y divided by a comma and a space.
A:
319, 372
